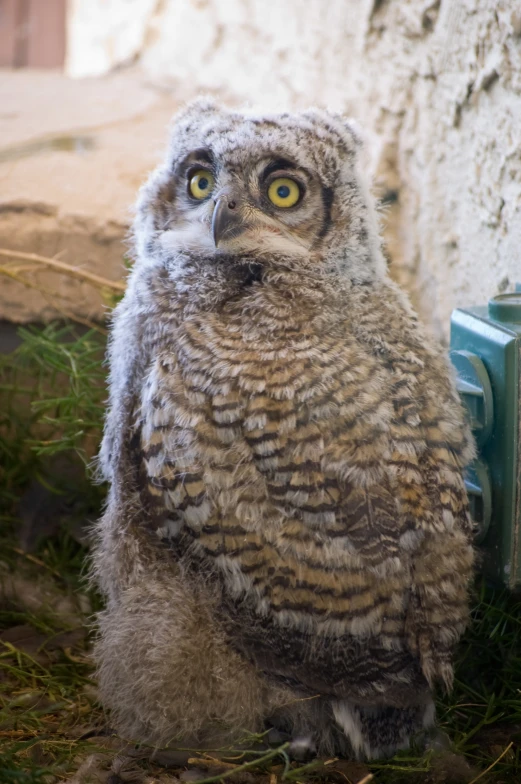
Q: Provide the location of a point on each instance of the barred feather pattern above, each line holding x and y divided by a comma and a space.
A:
294, 442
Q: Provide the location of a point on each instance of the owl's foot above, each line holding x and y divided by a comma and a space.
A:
302, 748
381, 731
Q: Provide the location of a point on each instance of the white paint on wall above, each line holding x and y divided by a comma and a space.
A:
437, 83
102, 34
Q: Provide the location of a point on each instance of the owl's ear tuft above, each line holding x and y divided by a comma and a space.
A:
349, 128
202, 107
336, 123
186, 126
354, 129
205, 104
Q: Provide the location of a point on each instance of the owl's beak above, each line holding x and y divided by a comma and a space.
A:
227, 222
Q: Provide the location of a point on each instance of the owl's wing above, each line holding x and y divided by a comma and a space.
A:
173, 493
395, 501
408, 535
443, 560
431, 445
129, 354
170, 422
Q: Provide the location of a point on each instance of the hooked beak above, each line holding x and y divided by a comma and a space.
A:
227, 221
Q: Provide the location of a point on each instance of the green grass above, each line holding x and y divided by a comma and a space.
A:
51, 391
52, 398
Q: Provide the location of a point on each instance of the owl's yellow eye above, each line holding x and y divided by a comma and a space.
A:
201, 184
284, 192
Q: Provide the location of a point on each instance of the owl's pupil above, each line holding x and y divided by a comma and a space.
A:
283, 191
203, 183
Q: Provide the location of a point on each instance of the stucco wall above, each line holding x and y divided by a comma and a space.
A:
436, 84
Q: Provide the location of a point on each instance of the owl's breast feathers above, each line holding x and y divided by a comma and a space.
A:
319, 471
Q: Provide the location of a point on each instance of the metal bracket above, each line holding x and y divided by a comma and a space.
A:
473, 384
479, 491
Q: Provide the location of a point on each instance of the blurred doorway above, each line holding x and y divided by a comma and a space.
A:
32, 33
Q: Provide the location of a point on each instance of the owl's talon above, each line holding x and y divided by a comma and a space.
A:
275, 737
302, 748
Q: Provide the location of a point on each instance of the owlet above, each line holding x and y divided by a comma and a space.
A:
287, 541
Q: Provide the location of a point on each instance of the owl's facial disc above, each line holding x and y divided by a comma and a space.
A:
235, 213
237, 206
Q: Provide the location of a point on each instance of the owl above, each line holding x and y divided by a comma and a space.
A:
287, 542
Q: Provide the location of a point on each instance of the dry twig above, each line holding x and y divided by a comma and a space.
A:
66, 269
483, 773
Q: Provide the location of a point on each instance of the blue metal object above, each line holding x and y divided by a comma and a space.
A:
486, 353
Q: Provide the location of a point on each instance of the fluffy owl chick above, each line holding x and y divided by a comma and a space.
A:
287, 541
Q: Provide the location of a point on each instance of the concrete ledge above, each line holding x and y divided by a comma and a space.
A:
72, 156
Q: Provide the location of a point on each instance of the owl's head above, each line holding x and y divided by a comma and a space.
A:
269, 188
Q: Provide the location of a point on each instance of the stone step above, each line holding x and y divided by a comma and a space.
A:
73, 154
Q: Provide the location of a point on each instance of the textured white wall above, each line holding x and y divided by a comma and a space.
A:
102, 34
437, 85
